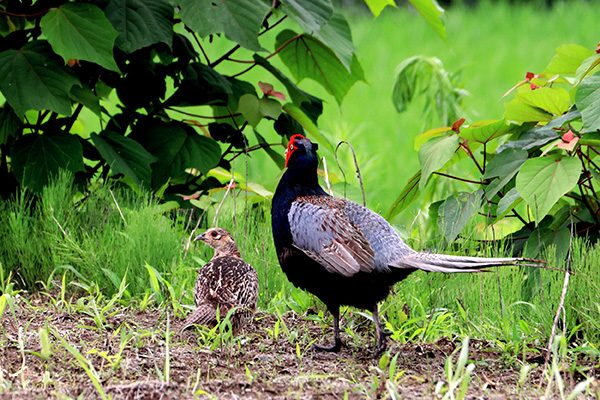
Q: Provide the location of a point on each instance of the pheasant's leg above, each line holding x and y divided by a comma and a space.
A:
381, 339
337, 341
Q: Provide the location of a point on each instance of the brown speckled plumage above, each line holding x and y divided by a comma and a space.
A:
225, 282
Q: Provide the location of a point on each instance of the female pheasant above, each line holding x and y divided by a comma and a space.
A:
225, 282
342, 252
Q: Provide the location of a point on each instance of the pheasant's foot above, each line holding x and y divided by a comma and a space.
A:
334, 349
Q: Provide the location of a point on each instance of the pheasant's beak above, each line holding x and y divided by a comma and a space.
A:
201, 237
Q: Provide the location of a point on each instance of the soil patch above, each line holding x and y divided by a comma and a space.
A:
126, 354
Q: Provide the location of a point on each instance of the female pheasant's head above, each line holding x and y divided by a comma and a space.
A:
300, 150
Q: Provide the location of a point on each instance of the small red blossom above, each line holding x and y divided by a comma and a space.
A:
598, 48
569, 141
528, 77
267, 89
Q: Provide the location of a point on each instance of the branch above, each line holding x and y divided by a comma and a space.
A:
467, 150
266, 58
486, 182
24, 15
203, 116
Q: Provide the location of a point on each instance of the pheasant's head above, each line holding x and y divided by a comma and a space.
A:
300, 148
220, 240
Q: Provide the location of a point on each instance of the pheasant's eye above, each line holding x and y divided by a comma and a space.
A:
291, 147
214, 234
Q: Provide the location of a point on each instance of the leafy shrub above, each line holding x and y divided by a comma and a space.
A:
537, 165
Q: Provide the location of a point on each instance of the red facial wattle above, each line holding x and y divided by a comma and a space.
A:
291, 147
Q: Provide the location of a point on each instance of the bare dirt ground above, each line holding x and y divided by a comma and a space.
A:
127, 355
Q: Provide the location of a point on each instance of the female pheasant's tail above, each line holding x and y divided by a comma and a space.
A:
203, 315
451, 264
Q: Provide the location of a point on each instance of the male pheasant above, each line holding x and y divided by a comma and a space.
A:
225, 282
342, 252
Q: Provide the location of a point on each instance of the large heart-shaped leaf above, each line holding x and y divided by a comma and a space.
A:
434, 154
240, 20
587, 99
455, 213
31, 79
542, 181
553, 100
307, 57
141, 23
336, 34
567, 59
81, 31
519, 111
36, 159
504, 166
311, 15
178, 147
124, 156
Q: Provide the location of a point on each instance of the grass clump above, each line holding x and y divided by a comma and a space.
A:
102, 236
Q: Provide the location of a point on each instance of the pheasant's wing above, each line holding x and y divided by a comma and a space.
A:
323, 231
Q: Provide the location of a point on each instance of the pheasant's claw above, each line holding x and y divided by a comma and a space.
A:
334, 349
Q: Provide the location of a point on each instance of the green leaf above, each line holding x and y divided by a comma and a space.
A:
255, 109
455, 213
299, 116
532, 138
81, 31
336, 34
307, 57
31, 79
504, 166
409, 193
587, 99
311, 15
553, 100
85, 96
519, 111
433, 14
9, 124
377, 6
201, 16
275, 156
434, 154
508, 202
124, 156
309, 104
588, 66
36, 159
567, 59
240, 20
176, 148
201, 85
485, 131
559, 238
248, 107
141, 23
543, 181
